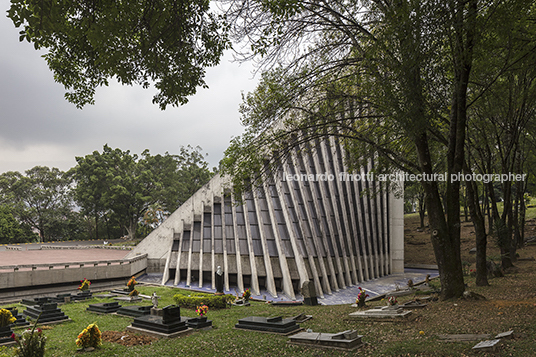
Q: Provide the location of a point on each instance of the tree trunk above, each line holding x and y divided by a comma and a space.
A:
445, 239
480, 231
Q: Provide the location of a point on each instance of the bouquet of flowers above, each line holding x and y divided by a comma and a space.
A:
202, 310
246, 294
6, 318
392, 301
89, 337
84, 285
132, 283
31, 343
361, 297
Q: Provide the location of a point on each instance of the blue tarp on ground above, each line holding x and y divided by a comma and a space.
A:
374, 287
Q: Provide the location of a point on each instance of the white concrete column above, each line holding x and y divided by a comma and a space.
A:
396, 221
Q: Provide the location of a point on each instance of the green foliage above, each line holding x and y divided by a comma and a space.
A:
11, 231
40, 199
168, 43
198, 299
117, 186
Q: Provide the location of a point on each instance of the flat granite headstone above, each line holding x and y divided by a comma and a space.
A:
506, 335
286, 303
104, 307
487, 346
199, 323
382, 312
50, 313
276, 325
134, 311
302, 317
413, 305
36, 301
346, 340
241, 302
170, 324
128, 298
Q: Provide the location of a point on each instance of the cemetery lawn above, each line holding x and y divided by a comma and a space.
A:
510, 305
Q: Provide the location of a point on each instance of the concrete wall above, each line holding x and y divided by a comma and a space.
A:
22, 276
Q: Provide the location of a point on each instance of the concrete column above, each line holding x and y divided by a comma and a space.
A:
283, 264
396, 222
239, 275
270, 282
302, 221
254, 275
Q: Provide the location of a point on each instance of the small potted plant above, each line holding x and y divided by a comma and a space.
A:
361, 297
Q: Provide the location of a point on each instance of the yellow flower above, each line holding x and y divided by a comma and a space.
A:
421, 333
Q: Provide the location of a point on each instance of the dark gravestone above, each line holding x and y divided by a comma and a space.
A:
36, 301
309, 293
104, 307
170, 314
199, 323
82, 295
5, 335
272, 324
134, 311
21, 321
47, 313
170, 324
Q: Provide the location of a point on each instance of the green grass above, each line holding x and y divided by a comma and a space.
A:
382, 339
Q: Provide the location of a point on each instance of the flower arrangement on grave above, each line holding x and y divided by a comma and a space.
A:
246, 294
202, 310
392, 301
361, 297
89, 337
31, 343
132, 283
6, 318
84, 285
133, 293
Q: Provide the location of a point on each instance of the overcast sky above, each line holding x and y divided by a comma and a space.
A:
39, 127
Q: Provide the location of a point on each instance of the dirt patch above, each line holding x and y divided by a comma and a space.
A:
127, 338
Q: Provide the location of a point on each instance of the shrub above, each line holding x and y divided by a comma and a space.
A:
192, 302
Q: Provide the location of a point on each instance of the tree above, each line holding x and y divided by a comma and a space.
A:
389, 78
11, 231
117, 185
39, 198
139, 42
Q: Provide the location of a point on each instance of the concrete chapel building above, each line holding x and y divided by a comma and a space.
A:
309, 222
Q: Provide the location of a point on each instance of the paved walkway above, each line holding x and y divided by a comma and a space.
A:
51, 256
